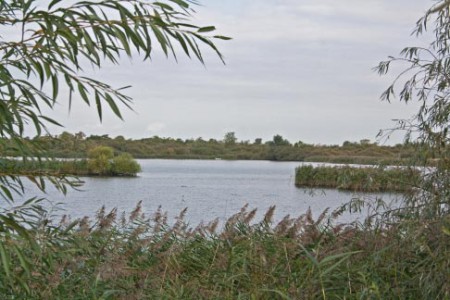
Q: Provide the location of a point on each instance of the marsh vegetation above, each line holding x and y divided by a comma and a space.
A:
301, 257
359, 179
400, 252
101, 161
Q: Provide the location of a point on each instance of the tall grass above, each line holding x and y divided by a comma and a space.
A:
75, 167
367, 179
134, 257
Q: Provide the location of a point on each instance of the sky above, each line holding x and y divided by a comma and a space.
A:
299, 68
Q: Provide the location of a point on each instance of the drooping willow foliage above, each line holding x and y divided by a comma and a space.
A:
44, 49
426, 79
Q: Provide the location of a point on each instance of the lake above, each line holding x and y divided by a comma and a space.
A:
208, 188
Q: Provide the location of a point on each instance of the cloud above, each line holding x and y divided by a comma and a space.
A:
155, 127
300, 68
312, 20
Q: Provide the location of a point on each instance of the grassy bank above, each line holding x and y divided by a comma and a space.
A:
299, 258
56, 167
367, 179
76, 167
101, 161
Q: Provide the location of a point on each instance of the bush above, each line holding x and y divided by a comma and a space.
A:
103, 162
124, 164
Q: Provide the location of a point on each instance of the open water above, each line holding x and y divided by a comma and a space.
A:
208, 188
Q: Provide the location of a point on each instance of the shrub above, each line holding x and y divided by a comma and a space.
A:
124, 164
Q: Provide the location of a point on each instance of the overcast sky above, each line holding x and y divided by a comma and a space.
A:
299, 68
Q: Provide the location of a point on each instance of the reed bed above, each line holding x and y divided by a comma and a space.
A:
139, 257
57, 167
361, 179
72, 167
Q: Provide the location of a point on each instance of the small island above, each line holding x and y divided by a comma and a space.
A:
369, 179
100, 161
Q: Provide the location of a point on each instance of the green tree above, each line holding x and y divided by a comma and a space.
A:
100, 160
124, 164
230, 138
67, 140
48, 45
278, 140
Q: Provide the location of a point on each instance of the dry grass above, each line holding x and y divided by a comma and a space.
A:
302, 257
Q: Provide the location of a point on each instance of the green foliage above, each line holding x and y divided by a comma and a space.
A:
121, 165
230, 138
101, 152
157, 147
49, 44
278, 140
298, 258
50, 167
124, 164
55, 38
103, 162
100, 160
425, 80
364, 179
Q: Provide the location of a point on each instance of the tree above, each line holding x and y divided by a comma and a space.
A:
124, 164
67, 140
230, 138
99, 160
426, 79
278, 140
364, 142
50, 45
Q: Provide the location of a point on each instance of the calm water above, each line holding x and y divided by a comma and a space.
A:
208, 188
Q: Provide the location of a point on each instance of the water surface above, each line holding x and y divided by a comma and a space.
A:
208, 188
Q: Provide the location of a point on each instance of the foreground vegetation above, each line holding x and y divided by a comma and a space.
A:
367, 179
299, 258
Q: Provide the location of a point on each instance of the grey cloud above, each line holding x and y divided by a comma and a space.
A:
297, 68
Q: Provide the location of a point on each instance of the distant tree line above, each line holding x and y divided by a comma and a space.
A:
78, 145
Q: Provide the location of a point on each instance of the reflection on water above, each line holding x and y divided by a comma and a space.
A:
208, 188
